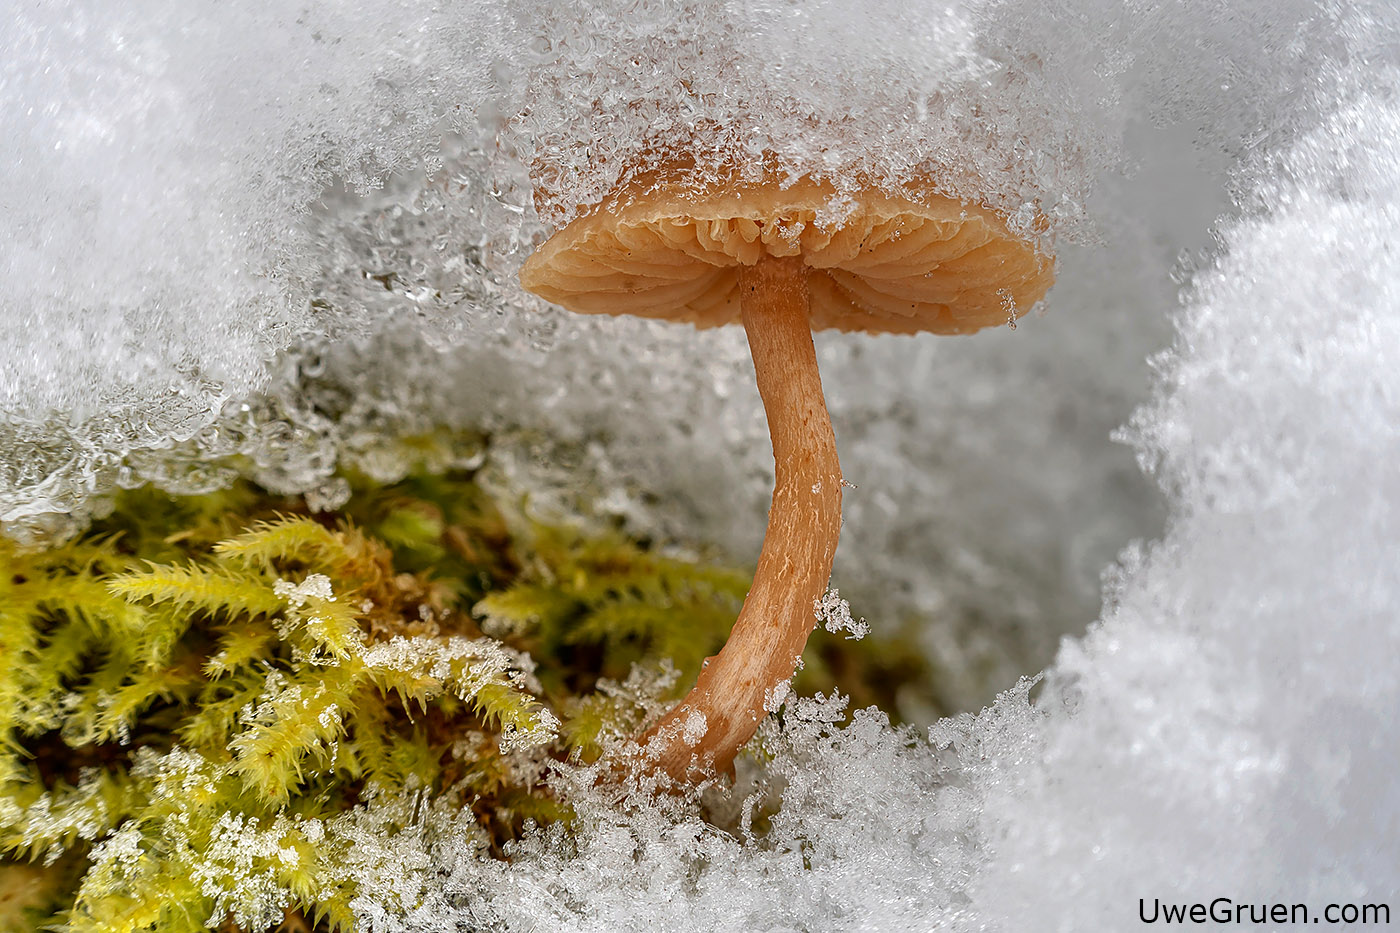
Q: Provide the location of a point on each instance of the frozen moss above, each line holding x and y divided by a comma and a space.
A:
199, 699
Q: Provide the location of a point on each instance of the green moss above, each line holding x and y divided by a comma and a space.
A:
190, 693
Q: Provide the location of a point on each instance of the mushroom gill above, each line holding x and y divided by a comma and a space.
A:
783, 259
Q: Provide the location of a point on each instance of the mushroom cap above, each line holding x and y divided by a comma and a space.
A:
885, 264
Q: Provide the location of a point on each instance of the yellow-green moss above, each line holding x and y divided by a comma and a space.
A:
228, 666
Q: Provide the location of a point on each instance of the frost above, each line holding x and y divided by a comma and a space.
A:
329, 718
315, 586
544, 728
239, 872
120, 850
443, 659
179, 772
280, 701
466, 667
774, 697
84, 815
695, 728
834, 613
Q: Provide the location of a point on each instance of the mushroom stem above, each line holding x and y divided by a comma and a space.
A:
736, 688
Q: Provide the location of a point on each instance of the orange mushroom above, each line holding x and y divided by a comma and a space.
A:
771, 256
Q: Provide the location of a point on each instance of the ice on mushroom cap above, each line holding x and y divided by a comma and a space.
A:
884, 263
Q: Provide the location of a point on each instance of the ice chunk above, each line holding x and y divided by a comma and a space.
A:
694, 728
834, 613
315, 586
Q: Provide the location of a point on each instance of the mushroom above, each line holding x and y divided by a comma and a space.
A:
785, 259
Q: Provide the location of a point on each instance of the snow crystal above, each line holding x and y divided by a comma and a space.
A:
121, 849
239, 872
834, 613
465, 666
695, 728
329, 718
279, 701
315, 586
179, 773
543, 729
85, 815
443, 658
774, 697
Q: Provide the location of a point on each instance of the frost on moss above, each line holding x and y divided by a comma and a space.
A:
218, 712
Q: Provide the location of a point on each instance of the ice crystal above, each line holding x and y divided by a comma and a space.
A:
834, 613
232, 876
695, 728
315, 586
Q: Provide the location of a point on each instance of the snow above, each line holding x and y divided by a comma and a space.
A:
1234, 701
315, 586
834, 613
201, 269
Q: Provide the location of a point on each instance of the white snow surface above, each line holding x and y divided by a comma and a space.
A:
197, 267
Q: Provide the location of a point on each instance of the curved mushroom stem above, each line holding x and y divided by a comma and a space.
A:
736, 688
